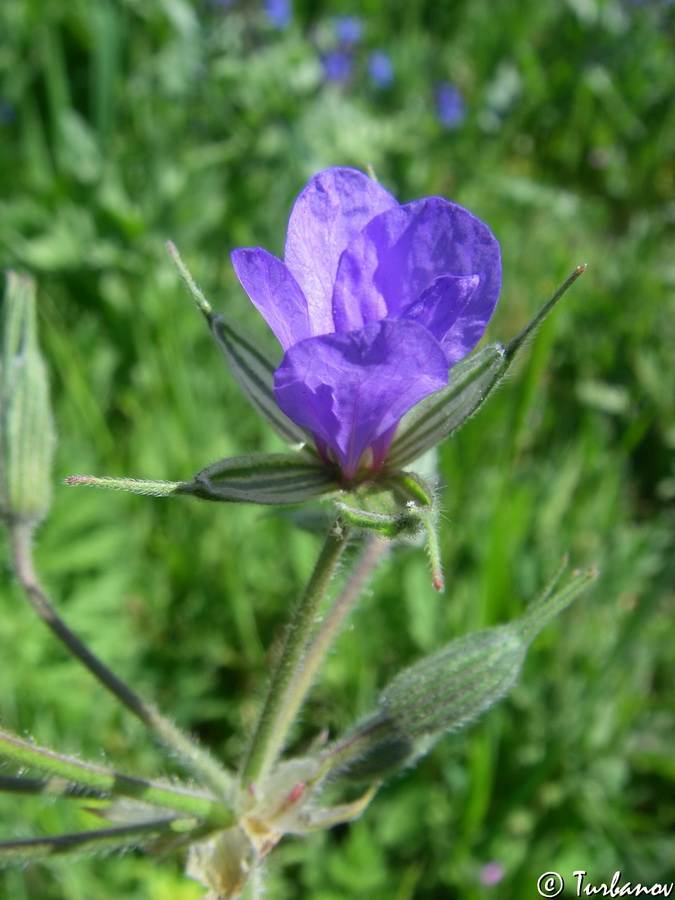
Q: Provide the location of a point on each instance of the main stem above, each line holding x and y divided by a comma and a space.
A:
278, 713
196, 760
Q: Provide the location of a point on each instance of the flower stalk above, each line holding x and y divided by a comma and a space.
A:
372, 552
278, 713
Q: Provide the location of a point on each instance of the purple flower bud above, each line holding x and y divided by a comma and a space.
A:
348, 30
380, 69
373, 304
337, 66
450, 105
279, 13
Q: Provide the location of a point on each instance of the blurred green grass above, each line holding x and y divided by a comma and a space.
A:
125, 123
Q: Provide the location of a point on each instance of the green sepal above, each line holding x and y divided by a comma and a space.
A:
444, 411
143, 486
472, 381
254, 373
253, 369
446, 690
268, 478
393, 506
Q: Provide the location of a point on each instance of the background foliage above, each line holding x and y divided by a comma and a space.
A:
126, 122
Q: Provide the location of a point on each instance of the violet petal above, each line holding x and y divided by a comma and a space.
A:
351, 388
446, 309
398, 254
274, 292
330, 211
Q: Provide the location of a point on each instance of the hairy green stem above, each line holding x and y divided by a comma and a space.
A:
196, 760
109, 782
278, 713
48, 787
374, 549
105, 840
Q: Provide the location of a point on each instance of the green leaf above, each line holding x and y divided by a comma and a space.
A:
273, 478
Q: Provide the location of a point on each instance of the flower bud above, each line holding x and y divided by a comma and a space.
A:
446, 690
26, 425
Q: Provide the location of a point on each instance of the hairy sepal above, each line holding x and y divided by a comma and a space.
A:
270, 479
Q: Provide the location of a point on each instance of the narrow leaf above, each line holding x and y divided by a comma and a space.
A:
264, 478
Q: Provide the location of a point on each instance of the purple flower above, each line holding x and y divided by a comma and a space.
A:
491, 873
373, 304
337, 66
348, 30
380, 69
450, 105
279, 13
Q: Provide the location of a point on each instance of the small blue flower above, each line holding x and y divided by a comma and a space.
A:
380, 69
337, 66
348, 30
450, 105
279, 13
